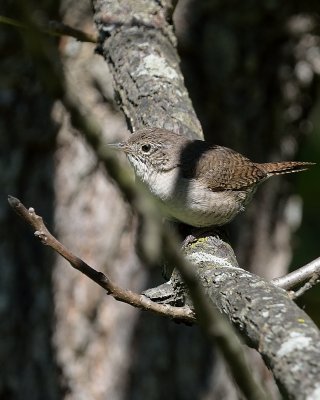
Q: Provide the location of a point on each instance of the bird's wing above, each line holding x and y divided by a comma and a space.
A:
220, 168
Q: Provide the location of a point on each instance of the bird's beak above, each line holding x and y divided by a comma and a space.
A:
118, 146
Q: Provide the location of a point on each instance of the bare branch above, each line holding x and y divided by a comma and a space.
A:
314, 280
299, 276
126, 296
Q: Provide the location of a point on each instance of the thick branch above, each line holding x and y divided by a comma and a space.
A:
213, 322
145, 65
147, 78
285, 336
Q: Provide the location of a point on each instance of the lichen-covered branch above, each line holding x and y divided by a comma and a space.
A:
137, 41
138, 44
285, 336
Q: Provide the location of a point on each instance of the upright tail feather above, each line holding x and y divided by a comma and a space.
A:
285, 167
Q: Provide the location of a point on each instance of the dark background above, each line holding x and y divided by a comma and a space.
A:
252, 69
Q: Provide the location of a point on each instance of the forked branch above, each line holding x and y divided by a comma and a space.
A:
309, 273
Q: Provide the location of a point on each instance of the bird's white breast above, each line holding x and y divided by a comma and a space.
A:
187, 200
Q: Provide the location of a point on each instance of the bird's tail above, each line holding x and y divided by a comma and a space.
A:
285, 167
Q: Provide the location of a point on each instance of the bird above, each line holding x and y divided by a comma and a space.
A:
196, 183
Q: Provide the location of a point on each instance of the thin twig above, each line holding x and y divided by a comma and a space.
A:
126, 296
308, 285
298, 276
54, 28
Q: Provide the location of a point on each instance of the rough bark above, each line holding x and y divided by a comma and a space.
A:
91, 346
248, 295
286, 338
145, 65
284, 335
61, 337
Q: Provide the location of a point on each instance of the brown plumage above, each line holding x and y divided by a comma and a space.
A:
285, 167
221, 168
198, 184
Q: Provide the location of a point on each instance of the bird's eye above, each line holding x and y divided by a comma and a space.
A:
146, 148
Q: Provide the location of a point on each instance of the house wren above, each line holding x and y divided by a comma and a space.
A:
198, 184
